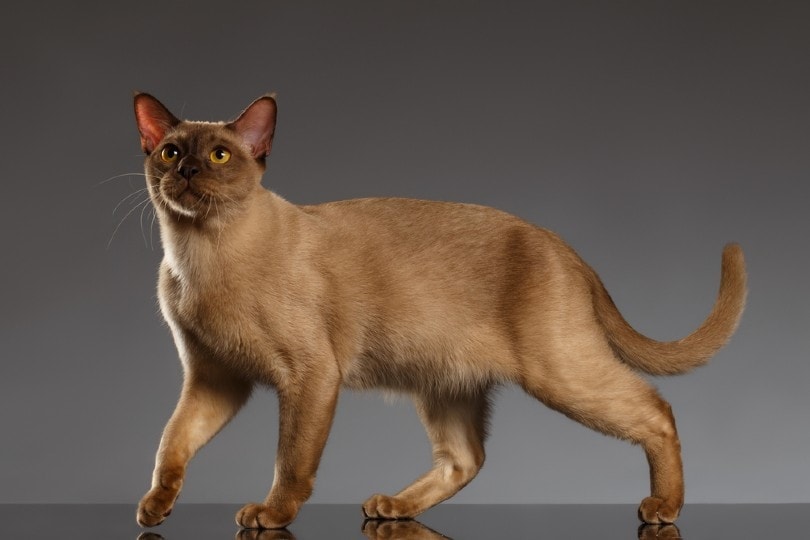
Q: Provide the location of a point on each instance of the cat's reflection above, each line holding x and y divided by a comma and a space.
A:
243, 534
376, 529
372, 529
265, 534
651, 532
413, 530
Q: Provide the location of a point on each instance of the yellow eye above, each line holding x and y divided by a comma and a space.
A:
220, 156
170, 153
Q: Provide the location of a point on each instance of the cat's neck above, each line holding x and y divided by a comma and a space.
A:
196, 249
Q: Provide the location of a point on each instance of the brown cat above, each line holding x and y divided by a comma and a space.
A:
440, 301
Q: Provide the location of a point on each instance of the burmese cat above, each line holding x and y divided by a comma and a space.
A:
440, 301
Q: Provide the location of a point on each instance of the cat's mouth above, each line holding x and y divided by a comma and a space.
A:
184, 198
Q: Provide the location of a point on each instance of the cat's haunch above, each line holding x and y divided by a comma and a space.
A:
441, 301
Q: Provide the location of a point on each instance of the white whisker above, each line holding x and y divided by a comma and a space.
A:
208, 211
125, 175
143, 233
143, 202
130, 196
151, 228
219, 222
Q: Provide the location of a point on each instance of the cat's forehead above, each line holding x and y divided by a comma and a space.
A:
202, 134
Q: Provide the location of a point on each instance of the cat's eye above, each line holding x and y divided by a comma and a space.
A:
170, 153
220, 156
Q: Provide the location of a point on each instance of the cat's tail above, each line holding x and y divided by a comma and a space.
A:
675, 357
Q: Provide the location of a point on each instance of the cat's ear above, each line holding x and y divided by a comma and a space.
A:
257, 124
154, 120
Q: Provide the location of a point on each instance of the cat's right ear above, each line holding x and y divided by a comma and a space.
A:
153, 119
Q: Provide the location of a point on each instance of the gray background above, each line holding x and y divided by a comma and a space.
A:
647, 133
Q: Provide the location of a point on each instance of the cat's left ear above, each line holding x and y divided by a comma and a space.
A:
257, 125
153, 119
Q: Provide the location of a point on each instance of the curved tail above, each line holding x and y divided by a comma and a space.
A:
675, 357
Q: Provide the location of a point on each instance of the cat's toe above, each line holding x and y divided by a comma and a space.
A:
384, 507
654, 511
262, 516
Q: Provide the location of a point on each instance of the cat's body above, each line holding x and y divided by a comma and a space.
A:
441, 301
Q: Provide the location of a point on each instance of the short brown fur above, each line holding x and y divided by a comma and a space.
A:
441, 301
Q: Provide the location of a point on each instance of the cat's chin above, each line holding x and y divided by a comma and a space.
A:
186, 204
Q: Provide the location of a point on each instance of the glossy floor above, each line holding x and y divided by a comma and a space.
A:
461, 522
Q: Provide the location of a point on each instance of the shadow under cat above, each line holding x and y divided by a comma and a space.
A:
409, 529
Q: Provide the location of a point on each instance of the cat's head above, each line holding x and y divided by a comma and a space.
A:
201, 170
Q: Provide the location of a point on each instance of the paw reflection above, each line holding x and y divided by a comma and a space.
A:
376, 529
149, 536
244, 534
265, 534
651, 532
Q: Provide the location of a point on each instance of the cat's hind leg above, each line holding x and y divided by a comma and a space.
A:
588, 384
456, 427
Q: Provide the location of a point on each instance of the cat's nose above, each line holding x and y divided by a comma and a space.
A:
188, 170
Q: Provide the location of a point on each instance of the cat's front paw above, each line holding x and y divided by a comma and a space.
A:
654, 510
156, 506
384, 507
263, 516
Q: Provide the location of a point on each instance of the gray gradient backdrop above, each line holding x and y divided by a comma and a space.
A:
647, 133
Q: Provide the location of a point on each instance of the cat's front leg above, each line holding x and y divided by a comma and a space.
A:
306, 408
210, 397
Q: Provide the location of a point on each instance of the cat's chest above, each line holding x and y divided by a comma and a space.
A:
216, 313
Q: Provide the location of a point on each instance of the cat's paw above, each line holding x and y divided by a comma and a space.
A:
263, 516
653, 532
654, 510
156, 506
384, 507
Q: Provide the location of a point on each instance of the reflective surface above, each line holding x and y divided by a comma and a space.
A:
467, 522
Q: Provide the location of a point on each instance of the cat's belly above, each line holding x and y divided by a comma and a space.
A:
435, 364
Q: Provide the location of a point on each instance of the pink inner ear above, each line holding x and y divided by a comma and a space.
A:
257, 124
153, 119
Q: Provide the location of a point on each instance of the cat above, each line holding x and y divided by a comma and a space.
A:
440, 301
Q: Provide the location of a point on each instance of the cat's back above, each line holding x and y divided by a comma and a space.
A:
422, 222
438, 238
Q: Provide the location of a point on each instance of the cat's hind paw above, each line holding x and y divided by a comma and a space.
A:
384, 507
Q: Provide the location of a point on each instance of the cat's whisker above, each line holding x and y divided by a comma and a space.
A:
112, 237
118, 176
151, 229
208, 211
219, 220
143, 233
130, 196
197, 206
